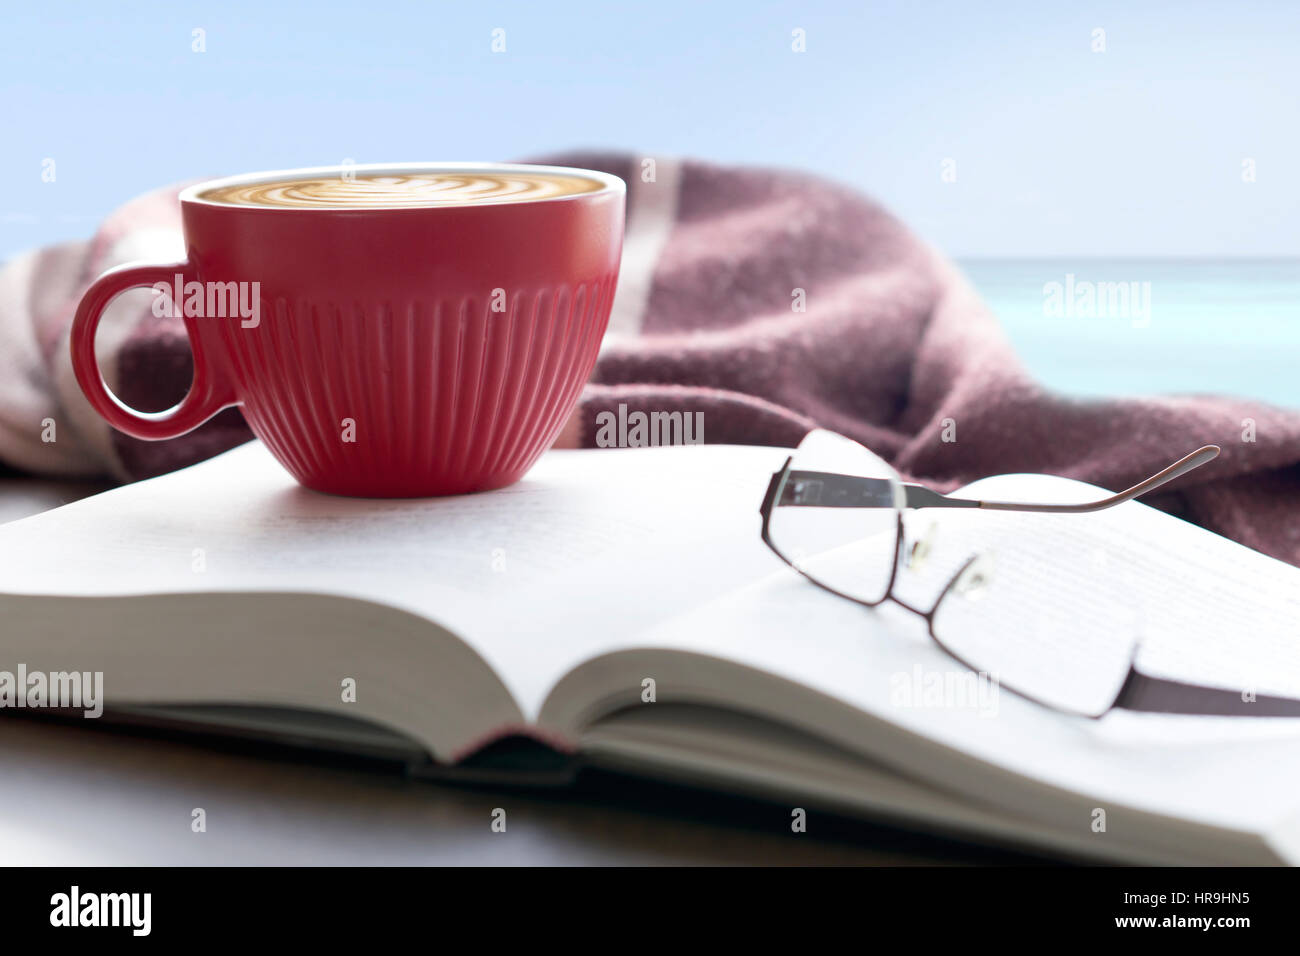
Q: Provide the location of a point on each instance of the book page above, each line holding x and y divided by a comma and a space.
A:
589, 548
1208, 611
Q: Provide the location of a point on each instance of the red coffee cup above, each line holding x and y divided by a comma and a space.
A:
384, 352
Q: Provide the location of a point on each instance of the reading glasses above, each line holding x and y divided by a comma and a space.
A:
835, 513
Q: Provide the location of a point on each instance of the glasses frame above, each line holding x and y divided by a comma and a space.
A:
1138, 692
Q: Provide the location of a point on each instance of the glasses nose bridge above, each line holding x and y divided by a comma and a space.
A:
919, 552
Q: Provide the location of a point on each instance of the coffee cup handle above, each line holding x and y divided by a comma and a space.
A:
209, 393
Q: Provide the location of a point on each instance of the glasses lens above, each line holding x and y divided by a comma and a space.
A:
1036, 615
836, 517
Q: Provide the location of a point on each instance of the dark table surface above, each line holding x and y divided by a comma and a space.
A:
73, 796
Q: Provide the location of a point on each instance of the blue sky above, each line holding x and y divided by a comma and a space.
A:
1136, 151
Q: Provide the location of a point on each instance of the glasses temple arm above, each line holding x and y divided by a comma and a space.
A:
829, 490
1179, 468
1158, 695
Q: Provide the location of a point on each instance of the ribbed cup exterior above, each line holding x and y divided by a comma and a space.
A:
416, 397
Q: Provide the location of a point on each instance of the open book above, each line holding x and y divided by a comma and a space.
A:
617, 608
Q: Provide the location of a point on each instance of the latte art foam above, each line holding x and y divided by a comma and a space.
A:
386, 190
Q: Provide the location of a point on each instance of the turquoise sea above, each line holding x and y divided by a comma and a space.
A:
1213, 326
